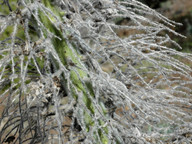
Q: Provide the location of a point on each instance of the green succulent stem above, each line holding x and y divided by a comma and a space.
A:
65, 53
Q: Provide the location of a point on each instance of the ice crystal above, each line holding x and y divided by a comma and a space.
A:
68, 75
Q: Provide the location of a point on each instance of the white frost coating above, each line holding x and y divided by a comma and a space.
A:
135, 88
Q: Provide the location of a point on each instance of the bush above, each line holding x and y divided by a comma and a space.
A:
68, 76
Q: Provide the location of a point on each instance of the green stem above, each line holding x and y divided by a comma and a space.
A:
65, 53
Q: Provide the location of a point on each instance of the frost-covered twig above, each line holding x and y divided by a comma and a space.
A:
68, 76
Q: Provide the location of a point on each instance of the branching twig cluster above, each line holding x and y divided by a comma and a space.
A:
67, 76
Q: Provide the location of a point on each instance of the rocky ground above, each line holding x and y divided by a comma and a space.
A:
179, 11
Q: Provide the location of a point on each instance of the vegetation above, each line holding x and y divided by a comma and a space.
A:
68, 76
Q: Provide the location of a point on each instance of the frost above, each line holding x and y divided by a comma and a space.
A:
69, 75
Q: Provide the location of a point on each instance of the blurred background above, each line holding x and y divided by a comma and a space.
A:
179, 11
176, 10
